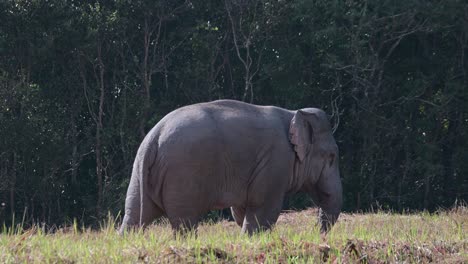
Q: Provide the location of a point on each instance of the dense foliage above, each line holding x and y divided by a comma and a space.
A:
81, 82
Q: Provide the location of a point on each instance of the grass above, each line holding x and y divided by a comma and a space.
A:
357, 238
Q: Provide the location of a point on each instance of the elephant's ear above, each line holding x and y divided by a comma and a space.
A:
301, 134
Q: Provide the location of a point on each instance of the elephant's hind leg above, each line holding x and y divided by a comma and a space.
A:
238, 213
150, 212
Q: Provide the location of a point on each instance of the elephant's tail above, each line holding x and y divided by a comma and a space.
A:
148, 156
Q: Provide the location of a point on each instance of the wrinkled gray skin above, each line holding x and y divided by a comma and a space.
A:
232, 154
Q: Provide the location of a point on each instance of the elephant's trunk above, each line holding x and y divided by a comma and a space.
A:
328, 191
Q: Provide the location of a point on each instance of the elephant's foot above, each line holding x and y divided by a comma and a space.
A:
183, 227
128, 223
259, 219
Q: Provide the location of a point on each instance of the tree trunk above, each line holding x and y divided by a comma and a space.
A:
75, 158
146, 78
99, 126
402, 179
427, 188
13, 185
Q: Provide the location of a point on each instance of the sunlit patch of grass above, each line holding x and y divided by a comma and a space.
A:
376, 237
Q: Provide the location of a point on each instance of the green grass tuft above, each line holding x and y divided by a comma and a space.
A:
365, 238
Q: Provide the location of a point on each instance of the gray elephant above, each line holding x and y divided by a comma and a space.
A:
232, 154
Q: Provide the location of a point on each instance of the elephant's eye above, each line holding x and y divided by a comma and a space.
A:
332, 159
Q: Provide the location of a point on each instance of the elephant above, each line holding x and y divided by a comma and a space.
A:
228, 153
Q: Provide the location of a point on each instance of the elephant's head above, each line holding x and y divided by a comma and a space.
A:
317, 160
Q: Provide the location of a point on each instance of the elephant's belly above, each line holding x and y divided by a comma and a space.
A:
226, 200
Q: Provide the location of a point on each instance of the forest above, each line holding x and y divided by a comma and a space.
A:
82, 82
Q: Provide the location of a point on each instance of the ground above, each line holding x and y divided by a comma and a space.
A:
380, 237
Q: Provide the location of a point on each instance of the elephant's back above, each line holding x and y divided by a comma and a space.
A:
225, 129
224, 122
186, 126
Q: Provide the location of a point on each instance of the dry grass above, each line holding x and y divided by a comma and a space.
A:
357, 238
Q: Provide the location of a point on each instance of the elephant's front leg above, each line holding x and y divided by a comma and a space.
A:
184, 226
261, 218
